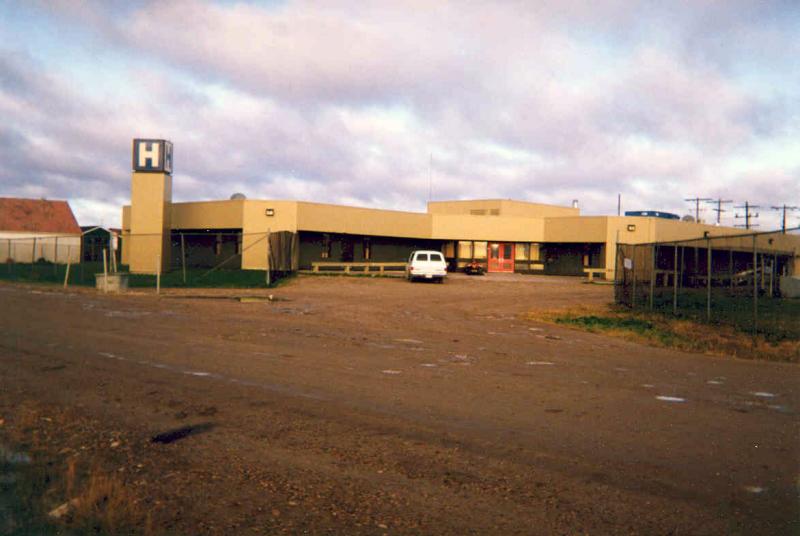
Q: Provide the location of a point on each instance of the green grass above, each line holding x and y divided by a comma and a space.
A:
684, 333
638, 326
84, 275
778, 319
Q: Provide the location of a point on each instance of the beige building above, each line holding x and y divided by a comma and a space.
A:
505, 235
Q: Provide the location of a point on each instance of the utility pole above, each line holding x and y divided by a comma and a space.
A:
784, 208
619, 204
696, 201
719, 210
747, 215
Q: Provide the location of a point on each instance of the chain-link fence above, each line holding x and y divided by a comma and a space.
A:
204, 258
741, 280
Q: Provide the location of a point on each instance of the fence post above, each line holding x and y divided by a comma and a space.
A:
183, 257
730, 266
105, 272
675, 281
633, 276
69, 263
269, 278
708, 279
653, 251
755, 288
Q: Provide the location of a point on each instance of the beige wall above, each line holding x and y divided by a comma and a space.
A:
498, 229
500, 207
362, 221
208, 215
150, 222
257, 224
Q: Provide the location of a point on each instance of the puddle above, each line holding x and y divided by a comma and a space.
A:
177, 434
755, 489
648, 385
715, 382
196, 373
390, 371
542, 363
670, 399
409, 341
763, 394
430, 365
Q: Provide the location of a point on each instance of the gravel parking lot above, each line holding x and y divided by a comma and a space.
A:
377, 406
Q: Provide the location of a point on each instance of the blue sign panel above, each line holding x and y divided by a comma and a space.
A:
152, 155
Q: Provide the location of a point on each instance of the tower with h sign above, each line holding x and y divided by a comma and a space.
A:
151, 206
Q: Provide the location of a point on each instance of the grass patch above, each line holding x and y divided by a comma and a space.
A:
83, 274
679, 333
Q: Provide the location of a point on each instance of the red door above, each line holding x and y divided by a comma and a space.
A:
501, 257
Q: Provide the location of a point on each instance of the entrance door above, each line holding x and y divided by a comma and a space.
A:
501, 257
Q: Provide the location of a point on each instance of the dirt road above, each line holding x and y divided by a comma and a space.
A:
375, 406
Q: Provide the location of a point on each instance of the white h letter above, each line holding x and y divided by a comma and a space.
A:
145, 153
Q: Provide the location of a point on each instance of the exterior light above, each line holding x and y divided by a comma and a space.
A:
270, 212
631, 227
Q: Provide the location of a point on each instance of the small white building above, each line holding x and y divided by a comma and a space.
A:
32, 230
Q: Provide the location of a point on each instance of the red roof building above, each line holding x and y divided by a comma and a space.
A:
37, 216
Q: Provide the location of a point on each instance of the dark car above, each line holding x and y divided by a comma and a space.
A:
473, 268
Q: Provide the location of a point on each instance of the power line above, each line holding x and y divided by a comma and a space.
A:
719, 210
784, 208
696, 201
747, 215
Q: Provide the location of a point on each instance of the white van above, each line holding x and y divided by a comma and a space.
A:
426, 265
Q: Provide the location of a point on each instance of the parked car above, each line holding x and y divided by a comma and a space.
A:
426, 265
473, 268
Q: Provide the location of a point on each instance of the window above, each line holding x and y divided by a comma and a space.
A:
477, 212
464, 249
422, 257
436, 257
367, 249
480, 250
522, 251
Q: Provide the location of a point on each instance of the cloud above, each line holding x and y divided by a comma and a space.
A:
379, 103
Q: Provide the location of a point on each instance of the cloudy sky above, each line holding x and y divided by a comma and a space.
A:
382, 104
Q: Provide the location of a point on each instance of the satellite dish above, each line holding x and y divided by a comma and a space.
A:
238, 196
689, 218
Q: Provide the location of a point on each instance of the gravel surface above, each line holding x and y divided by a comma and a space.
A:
377, 406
